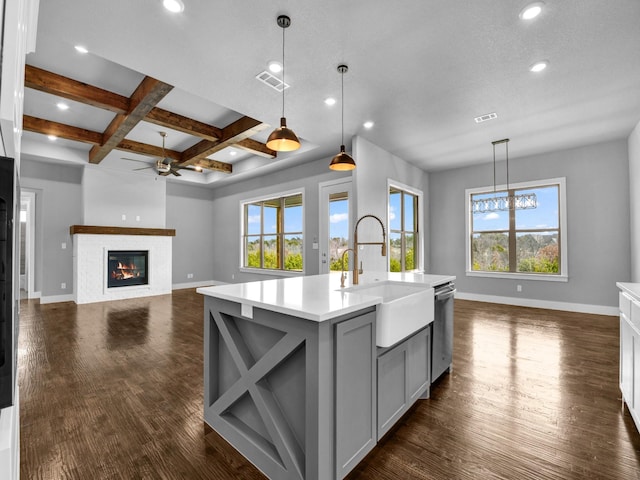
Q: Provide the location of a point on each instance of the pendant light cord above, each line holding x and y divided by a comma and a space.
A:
342, 105
507, 150
283, 83
494, 168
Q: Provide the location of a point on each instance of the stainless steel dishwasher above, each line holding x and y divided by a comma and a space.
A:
442, 331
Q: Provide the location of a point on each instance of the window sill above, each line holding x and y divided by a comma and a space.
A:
519, 276
273, 273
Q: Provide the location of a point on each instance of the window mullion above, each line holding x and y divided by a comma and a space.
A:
512, 235
280, 234
261, 234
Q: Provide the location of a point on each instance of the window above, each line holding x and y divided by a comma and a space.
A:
404, 238
528, 242
338, 230
272, 236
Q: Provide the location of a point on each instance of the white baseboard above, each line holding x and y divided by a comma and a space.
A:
204, 283
36, 295
530, 302
56, 299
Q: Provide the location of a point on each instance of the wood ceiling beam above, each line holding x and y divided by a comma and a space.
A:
215, 165
255, 147
183, 124
214, 139
144, 99
64, 87
146, 149
60, 130
233, 133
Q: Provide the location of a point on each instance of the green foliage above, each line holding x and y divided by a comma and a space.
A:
536, 253
293, 262
394, 265
335, 264
293, 256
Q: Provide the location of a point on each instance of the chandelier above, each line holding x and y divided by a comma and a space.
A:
503, 201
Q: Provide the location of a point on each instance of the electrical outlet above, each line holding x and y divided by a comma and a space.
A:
189, 275
124, 217
518, 288
137, 218
233, 277
63, 286
64, 246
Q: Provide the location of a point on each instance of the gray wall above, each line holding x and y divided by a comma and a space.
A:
597, 216
634, 200
108, 195
58, 190
374, 167
226, 216
189, 212
59, 204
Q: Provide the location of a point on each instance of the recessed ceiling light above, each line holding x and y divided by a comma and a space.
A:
330, 101
369, 124
531, 11
62, 106
81, 49
275, 66
539, 66
53, 138
174, 6
233, 153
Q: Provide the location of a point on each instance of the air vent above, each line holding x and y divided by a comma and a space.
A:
486, 117
274, 82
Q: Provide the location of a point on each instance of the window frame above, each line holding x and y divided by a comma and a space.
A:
281, 196
563, 276
418, 214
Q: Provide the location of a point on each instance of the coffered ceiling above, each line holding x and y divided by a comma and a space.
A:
420, 69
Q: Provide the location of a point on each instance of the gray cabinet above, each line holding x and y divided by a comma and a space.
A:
403, 377
355, 380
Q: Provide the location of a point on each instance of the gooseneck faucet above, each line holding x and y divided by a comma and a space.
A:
342, 275
356, 273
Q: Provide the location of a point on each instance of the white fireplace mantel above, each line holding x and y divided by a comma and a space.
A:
90, 266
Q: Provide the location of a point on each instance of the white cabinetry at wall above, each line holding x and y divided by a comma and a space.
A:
630, 348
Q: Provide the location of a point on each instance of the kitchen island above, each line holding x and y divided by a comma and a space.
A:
294, 379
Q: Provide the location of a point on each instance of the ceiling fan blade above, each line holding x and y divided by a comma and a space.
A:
173, 171
143, 168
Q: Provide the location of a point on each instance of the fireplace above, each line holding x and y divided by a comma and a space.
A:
127, 268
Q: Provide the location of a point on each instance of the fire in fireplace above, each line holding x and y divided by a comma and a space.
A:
126, 268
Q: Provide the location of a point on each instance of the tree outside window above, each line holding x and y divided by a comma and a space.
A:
518, 240
273, 237
403, 230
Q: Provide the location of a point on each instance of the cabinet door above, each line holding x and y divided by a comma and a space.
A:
355, 350
392, 387
626, 360
636, 373
419, 365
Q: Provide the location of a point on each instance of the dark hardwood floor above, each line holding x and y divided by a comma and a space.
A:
114, 391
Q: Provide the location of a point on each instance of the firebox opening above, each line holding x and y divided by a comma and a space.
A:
126, 268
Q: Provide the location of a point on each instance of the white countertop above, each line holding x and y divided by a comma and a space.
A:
316, 297
632, 289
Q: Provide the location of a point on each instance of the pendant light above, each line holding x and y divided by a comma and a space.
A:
511, 201
342, 161
282, 139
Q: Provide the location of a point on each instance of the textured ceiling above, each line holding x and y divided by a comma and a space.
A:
420, 69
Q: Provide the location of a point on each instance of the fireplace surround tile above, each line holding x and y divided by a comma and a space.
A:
90, 266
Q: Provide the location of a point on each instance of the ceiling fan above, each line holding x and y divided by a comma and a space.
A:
163, 165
